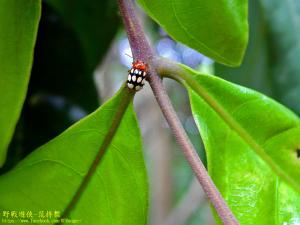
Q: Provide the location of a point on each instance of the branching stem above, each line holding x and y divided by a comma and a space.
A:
141, 50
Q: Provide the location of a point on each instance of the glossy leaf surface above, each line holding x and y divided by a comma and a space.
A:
48, 178
18, 28
241, 173
252, 145
216, 28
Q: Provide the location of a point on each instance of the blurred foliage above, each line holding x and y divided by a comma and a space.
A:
60, 66
283, 25
94, 22
271, 61
254, 71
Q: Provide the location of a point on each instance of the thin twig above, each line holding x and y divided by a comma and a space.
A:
141, 50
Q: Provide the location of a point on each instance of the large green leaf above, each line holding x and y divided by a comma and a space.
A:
18, 27
283, 25
216, 28
117, 191
252, 145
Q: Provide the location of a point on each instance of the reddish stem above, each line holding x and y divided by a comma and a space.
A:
141, 50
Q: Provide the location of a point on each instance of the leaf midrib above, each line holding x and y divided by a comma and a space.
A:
240, 131
116, 121
176, 72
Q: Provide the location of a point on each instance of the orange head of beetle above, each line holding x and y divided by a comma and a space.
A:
140, 65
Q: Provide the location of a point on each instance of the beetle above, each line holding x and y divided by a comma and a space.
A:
137, 75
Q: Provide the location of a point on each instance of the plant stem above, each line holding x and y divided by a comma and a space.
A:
141, 50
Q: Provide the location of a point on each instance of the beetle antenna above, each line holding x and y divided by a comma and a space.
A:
129, 55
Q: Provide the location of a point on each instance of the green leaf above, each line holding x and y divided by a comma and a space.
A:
252, 145
283, 25
117, 192
215, 28
18, 28
254, 71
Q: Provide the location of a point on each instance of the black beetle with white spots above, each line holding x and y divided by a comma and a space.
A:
136, 79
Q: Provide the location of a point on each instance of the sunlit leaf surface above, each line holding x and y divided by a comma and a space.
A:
252, 145
215, 28
48, 178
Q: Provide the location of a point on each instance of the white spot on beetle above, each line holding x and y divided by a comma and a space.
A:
136, 71
133, 78
131, 71
129, 77
138, 88
144, 73
143, 81
140, 72
130, 85
139, 80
